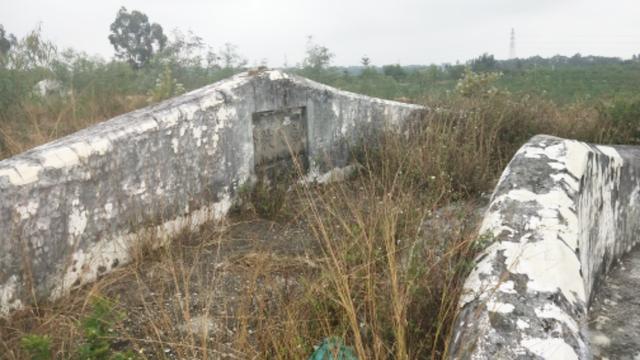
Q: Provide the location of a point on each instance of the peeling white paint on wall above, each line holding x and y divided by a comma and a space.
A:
560, 215
60, 157
9, 300
87, 197
551, 349
503, 308
175, 145
21, 173
549, 265
86, 263
28, 210
522, 325
277, 75
77, 220
551, 311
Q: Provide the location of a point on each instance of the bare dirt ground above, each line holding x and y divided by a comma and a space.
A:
614, 322
212, 285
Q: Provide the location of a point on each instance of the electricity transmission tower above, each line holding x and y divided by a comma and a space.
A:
512, 45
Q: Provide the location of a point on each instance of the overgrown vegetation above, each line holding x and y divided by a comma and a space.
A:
373, 265
376, 262
97, 327
47, 92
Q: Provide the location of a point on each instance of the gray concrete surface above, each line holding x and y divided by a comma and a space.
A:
71, 209
561, 214
614, 315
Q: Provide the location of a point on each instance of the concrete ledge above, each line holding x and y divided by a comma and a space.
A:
72, 209
561, 213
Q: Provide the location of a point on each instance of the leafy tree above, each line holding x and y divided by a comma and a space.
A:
31, 52
454, 72
478, 85
6, 41
134, 38
231, 58
484, 63
166, 86
576, 59
184, 50
395, 71
318, 57
212, 59
27, 62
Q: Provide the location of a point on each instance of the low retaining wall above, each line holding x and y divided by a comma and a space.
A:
70, 210
561, 213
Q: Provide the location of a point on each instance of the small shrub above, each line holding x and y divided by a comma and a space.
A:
166, 86
98, 330
478, 84
37, 346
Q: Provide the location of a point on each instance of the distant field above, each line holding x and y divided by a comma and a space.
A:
577, 83
93, 91
562, 84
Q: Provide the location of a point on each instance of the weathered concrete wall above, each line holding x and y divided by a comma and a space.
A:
72, 209
561, 213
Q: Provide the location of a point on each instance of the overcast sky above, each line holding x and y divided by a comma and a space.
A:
397, 31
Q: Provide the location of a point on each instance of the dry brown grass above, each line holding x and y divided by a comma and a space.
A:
50, 118
378, 260
351, 260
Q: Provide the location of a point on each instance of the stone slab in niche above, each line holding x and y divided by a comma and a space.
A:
279, 137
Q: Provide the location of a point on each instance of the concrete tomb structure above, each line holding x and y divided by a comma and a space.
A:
72, 209
561, 214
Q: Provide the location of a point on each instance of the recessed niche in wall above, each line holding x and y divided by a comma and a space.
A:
280, 140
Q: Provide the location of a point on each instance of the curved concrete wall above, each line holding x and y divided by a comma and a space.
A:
71, 209
561, 213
